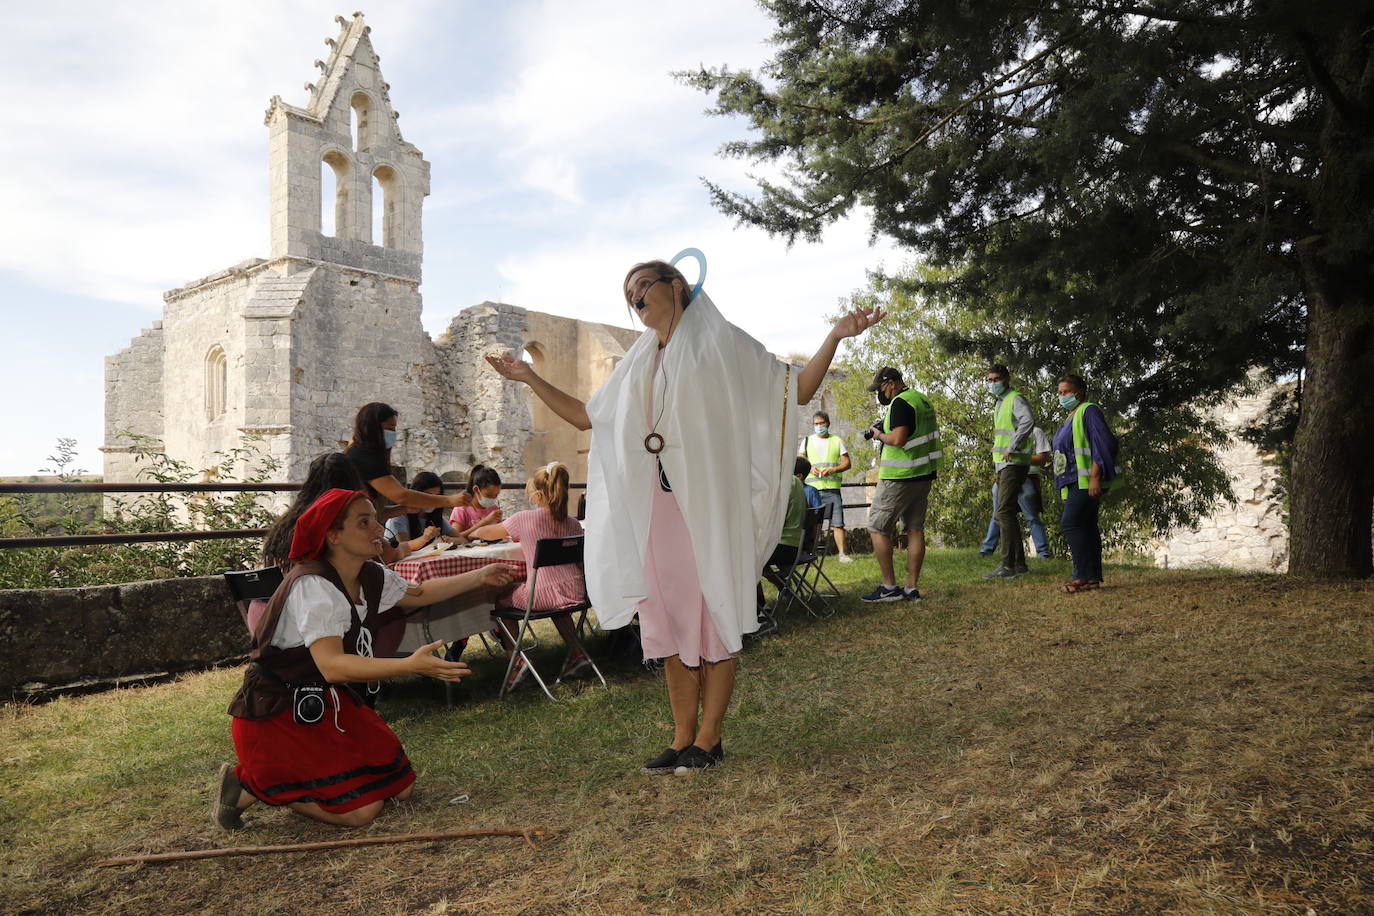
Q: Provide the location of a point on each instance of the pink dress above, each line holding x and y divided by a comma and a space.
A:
559, 586
673, 617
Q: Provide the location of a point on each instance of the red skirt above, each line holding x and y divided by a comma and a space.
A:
282, 762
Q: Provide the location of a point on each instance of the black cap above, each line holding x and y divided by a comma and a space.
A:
885, 374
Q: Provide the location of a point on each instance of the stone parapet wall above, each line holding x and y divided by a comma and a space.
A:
52, 637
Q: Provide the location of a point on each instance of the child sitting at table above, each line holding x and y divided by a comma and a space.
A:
484, 489
417, 529
559, 586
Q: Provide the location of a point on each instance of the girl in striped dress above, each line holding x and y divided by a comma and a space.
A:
558, 586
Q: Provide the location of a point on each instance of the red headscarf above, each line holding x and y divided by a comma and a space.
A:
307, 541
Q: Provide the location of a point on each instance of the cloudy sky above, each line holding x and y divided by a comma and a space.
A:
562, 150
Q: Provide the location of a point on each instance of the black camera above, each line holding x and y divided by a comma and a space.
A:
868, 433
308, 705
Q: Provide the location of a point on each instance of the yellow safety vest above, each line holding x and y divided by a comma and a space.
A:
830, 446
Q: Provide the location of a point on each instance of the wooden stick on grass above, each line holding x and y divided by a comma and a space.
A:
524, 832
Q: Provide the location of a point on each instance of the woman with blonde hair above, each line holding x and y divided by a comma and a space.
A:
688, 475
558, 586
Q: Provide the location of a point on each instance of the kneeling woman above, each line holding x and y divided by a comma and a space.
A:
303, 735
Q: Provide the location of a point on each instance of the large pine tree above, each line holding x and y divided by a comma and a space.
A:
1187, 185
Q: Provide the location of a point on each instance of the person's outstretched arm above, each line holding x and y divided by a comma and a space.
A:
559, 401
850, 325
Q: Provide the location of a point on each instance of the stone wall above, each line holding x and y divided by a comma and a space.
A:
1250, 533
53, 637
133, 399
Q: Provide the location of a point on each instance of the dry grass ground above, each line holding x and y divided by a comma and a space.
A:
1177, 742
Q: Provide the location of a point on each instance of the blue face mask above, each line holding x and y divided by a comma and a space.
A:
1068, 401
996, 388
389, 438
822, 430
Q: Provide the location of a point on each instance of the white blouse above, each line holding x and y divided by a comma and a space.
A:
316, 609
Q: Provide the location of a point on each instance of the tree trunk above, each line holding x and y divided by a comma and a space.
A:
1333, 452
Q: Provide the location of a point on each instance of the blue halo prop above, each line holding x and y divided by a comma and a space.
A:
701, 259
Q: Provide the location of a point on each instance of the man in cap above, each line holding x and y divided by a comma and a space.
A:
907, 466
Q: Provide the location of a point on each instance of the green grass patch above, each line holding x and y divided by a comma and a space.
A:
1177, 741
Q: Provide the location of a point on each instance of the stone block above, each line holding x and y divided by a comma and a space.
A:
58, 636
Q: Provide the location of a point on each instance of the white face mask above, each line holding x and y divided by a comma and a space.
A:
822, 430
389, 438
487, 502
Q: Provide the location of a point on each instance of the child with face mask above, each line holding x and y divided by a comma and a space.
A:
484, 488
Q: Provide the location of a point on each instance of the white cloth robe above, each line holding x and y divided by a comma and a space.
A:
728, 422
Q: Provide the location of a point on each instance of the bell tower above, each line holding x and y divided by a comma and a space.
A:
346, 188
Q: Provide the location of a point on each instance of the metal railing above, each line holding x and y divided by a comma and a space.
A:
143, 537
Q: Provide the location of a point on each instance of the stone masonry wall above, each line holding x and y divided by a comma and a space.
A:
133, 398
1249, 534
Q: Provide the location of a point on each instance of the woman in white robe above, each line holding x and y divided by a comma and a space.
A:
687, 482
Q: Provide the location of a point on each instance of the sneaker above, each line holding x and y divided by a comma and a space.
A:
517, 674
845, 558
1021, 570
883, 593
666, 762
694, 758
985, 553
1000, 572
911, 594
576, 669
225, 808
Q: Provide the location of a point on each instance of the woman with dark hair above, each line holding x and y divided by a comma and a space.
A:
675, 534
484, 489
1085, 468
302, 732
374, 435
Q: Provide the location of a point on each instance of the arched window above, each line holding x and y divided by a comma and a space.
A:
362, 121
334, 171
216, 378
386, 205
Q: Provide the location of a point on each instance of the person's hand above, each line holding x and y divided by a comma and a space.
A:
498, 575
1095, 488
512, 368
430, 533
462, 498
856, 322
424, 661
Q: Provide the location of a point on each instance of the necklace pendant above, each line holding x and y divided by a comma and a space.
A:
653, 443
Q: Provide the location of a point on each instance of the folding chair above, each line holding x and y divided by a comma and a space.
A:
796, 587
548, 552
249, 585
814, 572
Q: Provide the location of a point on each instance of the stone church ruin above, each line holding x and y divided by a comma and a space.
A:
289, 346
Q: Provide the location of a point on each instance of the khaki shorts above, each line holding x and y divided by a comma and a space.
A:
899, 499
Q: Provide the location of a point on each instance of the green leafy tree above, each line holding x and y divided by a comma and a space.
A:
1177, 190
67, 567
1175, 477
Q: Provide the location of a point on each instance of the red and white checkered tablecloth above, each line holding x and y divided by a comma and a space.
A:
458, 560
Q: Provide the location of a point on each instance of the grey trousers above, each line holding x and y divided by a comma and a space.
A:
1010, 542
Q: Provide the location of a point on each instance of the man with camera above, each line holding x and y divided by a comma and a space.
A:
907, 467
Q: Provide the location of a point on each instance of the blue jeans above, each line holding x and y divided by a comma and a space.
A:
1029, 501
1082, 533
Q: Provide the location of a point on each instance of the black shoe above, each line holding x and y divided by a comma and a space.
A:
694, 758
1022, 570
224, 807
665, 762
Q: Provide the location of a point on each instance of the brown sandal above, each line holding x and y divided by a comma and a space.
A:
1073, 586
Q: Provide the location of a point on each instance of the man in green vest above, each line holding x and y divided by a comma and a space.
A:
1012, 450
907, 466
829, 460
